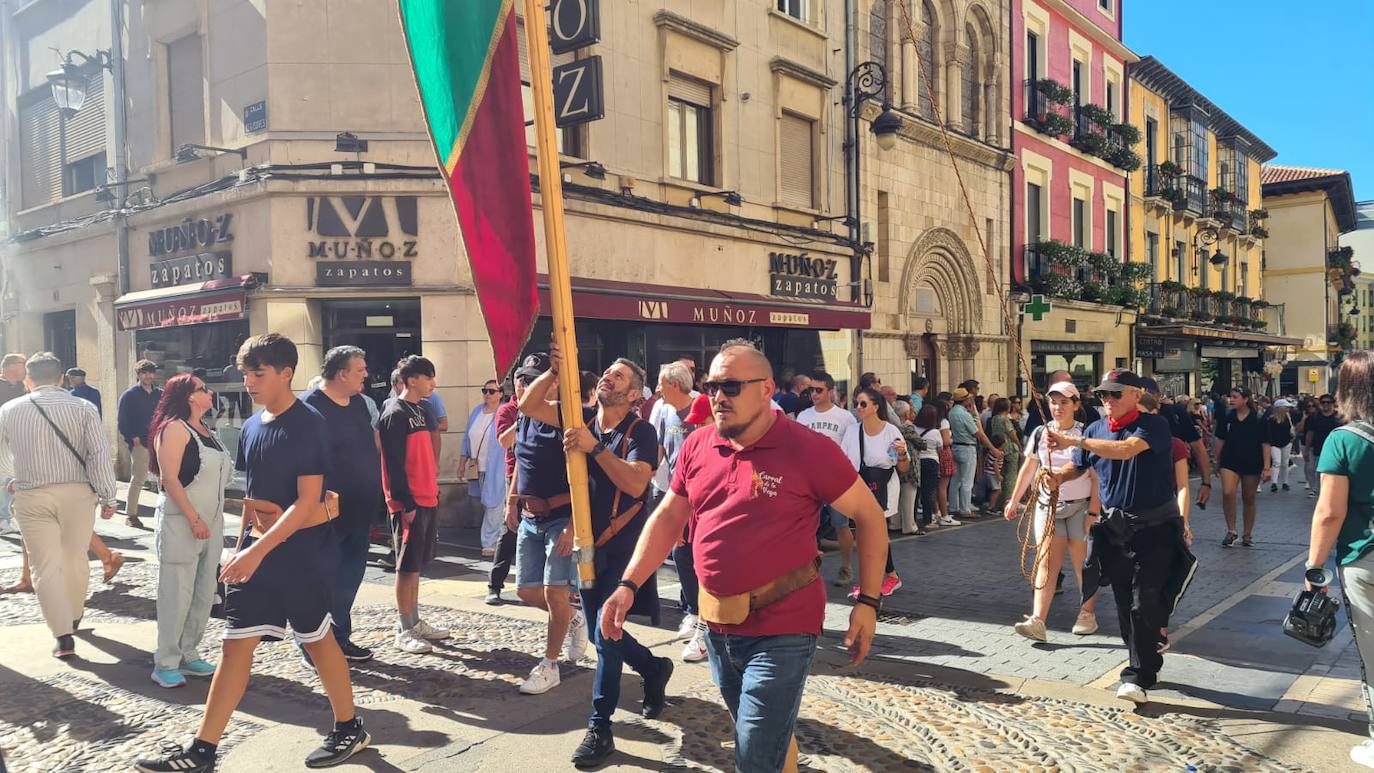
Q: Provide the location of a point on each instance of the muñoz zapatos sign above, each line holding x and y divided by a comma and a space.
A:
211, 307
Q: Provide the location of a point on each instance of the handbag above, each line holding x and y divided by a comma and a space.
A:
876, 478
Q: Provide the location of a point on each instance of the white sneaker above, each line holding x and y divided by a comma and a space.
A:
412, 642
1363, 754
945, 520
7, 526
1133, 693
426, 631
688, 627
575, 646
543, 678
694, 651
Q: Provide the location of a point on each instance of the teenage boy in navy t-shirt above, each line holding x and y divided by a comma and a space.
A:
283, 575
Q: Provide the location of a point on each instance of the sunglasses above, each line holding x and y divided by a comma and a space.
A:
201, 388
1108, 394
731, 387
1328, 402
487, 391
862, 404
813, 390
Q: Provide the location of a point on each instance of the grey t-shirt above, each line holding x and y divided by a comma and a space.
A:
672, 433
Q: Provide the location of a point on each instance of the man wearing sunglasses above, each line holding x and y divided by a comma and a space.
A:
832, 421
1137, 542
622, 454
751, 488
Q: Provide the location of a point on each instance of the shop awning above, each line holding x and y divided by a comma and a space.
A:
218, 300
639, 302
1219, 334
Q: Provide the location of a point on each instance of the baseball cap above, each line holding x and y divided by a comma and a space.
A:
1118, 379
534, 365
1149, 385
147, 366
1065, 388
77, 372
1284, 402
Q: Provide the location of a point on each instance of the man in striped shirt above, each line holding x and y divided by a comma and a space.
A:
53, 446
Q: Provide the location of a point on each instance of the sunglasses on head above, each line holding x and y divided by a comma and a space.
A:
1105, 394
489, 391
731, 387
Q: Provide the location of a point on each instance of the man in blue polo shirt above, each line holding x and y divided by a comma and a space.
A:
1137, 542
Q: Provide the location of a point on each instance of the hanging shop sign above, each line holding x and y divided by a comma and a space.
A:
578, 92
1066, 347
1149, 347
209, 307
362, 240
802, 276
574, 24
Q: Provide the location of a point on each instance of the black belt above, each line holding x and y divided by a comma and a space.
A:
971, 445
1073, 501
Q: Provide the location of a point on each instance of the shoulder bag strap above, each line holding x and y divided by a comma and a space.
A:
618, 519
1359, 428
60, 434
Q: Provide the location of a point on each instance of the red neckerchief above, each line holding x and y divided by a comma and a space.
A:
1126, 421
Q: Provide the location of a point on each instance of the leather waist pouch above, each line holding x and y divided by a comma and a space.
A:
264, 514
735, 609
539, 507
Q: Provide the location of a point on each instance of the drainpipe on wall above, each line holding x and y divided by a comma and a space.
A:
852, 192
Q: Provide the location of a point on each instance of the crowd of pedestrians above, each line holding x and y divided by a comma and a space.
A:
741, 483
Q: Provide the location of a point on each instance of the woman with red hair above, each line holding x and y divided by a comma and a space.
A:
194, 469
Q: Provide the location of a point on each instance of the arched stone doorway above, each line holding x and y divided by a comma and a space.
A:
940, 264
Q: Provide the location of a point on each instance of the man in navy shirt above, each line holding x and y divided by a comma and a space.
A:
355, 473
1141, 530
76, 378
282, 572
136, 408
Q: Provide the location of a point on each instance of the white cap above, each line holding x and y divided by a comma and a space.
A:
1065, 388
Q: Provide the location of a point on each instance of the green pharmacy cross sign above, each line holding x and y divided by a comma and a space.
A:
1037, 308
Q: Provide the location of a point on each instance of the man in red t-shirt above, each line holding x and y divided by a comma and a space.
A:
750, 489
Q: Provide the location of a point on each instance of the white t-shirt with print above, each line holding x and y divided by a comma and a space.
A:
833, 423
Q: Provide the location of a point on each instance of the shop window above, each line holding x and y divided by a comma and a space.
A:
690, 149
211, 346
796, 156
186, 91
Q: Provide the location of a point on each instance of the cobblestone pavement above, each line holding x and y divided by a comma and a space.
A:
939, 693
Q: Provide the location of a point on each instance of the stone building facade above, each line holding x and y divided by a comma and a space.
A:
938, 265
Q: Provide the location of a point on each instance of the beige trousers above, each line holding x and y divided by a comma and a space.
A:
138, 473
56, 523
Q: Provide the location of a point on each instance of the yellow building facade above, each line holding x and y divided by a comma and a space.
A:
1196, 219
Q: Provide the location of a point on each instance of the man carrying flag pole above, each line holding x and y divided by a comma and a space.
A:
465, 55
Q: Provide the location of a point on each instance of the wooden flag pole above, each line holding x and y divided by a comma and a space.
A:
560, 283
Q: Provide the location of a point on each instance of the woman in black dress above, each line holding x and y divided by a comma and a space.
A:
1243, 451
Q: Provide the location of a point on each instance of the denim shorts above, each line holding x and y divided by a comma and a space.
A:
536, 564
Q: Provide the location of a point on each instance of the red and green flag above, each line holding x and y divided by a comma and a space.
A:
466, 59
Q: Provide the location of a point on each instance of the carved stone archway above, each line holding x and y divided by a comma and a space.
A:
940, 259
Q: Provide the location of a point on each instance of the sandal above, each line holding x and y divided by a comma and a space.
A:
113, 566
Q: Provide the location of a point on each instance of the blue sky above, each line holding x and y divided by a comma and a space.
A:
1300, 76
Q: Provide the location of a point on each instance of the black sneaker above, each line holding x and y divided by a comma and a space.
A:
342, 743
65, 647
493, 598
177, 760
655, 689
355, 654
1285, 487
1230, 539
596, 746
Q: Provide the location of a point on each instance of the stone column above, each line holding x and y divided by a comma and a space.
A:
909, 65
105, 378
952, 104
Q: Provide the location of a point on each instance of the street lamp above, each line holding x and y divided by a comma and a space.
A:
866, 82
68, 81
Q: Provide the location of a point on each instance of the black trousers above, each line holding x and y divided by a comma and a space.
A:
1139, 572
502, 562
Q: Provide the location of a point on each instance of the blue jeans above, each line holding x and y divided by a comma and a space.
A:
761, 679
961, 490
352, 544
611, 655
537, 563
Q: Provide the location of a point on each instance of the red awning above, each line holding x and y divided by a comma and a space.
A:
218, 300
638, 302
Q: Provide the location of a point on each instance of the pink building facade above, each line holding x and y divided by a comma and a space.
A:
1068, 184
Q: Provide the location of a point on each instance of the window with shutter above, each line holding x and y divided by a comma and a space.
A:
796, 154
691, 153
186, 91
40, 142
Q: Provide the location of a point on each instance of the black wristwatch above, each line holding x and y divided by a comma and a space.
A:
871, 601
1318, 576
631, 584
597, 449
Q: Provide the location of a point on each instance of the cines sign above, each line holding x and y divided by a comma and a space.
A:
362, 240
182, 253
802, 276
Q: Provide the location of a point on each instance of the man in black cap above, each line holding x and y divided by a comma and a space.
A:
1136, 543
1182, 426
77, 386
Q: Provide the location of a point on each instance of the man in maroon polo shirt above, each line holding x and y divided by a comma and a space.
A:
750, 489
